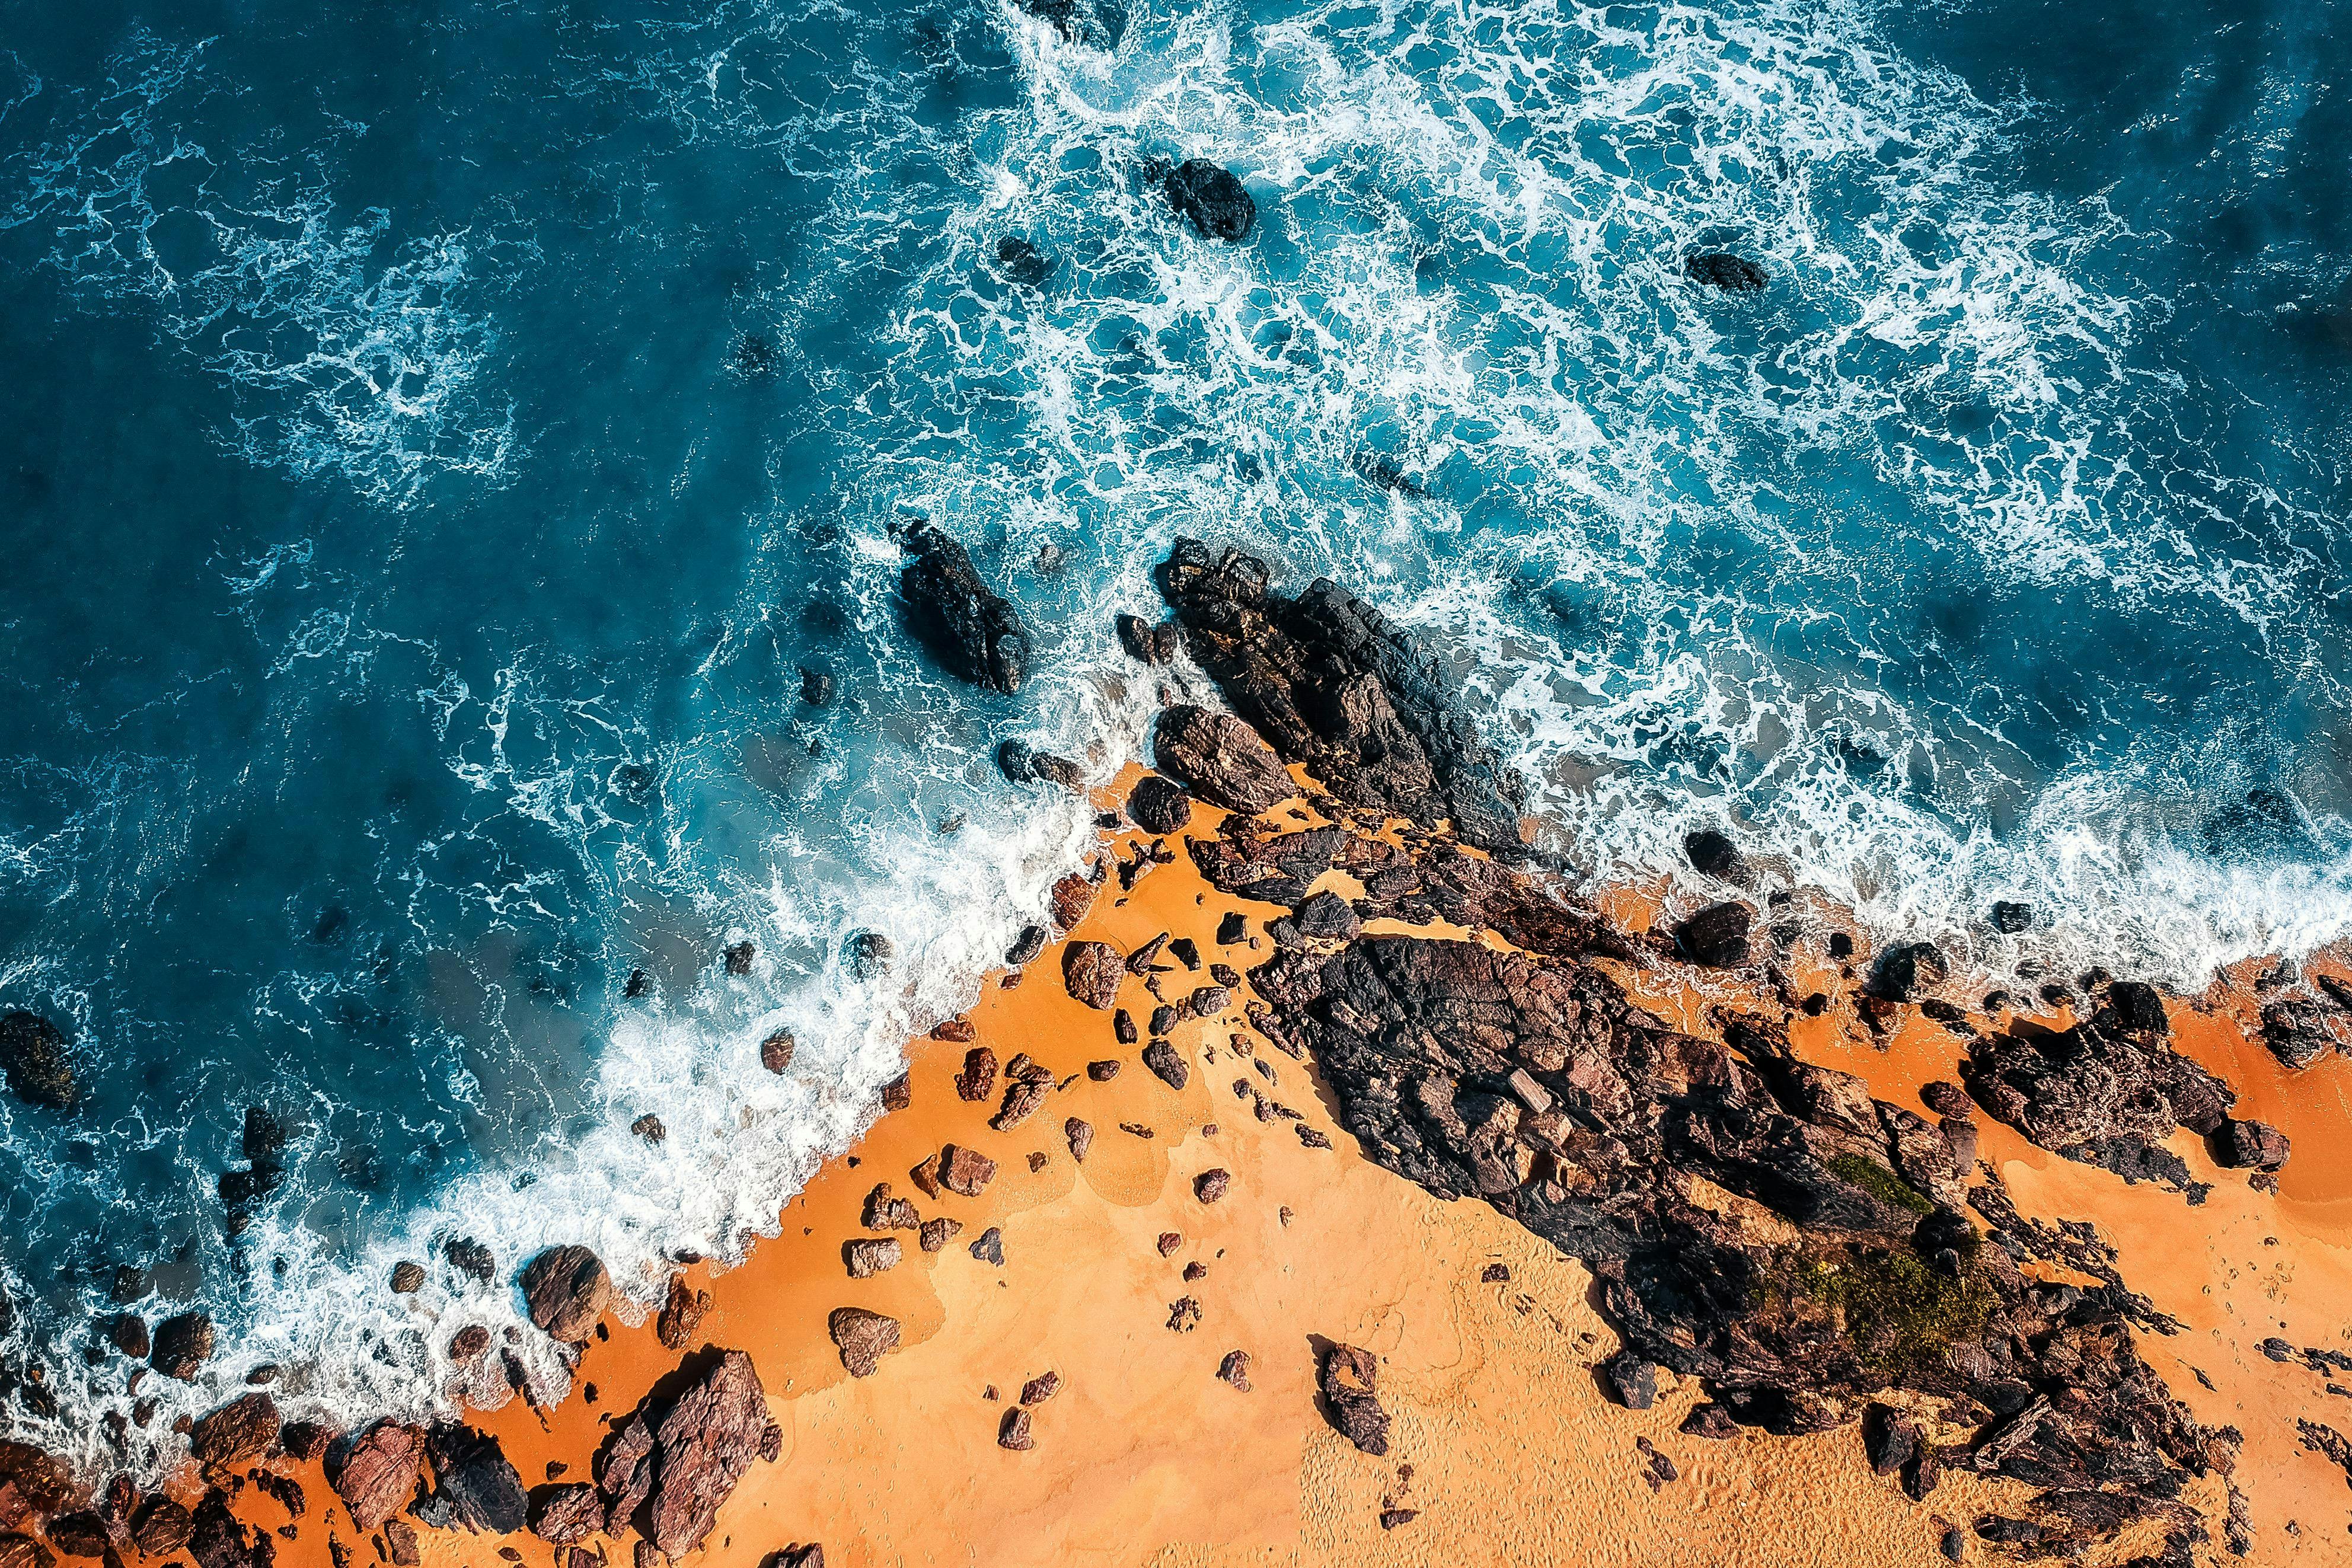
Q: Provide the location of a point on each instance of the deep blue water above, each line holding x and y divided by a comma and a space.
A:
433, 436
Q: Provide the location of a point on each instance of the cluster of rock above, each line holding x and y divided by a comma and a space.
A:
1769, 1227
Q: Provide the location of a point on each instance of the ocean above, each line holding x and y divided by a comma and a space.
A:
435, 437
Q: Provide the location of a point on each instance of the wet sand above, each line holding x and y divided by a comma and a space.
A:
1504, 1447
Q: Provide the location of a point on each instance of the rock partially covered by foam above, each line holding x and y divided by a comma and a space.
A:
1213, 197
974, 633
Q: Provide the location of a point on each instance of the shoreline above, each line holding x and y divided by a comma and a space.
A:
1490, 1382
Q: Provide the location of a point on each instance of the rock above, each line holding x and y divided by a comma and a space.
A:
739, 957
128, 1334
1329, 917
2097, 1093
1631, 1380
468, 1344
1031, 942
161, 1527
817, 688
1072, 896
869, 1256
863, 1338
2010, 919
989, 1248
1153, 644
937, 1233
1721, 269
1081, 1137
649, 1127
1907, 973
1350, 1381
1012, 1431
899, 1093
1039, 1389
24, 1551
472, 1478
1222, 759
1093, 972
1103, 1072
1712, 853
1218, 204
567, 1289
470, 1258
1023, 1099
1709, 1420
1164, 1020
2139, 1009
1211, 1185
375, 1471
1234, 1369
183, 1345
1159, 806
33, 1484
1166, 1065
242, 1429
1231, 928
870, 953
975, 633
38, 1062
1334, 687
883, 1212
776, 1052
1717, 936
2248, 1145
1058, 770
977, 1082
407, 1277
682, 1313
1122, 1028
218, 1540
1183, 1315
1398, 1518
1889, 1439
2297, 1032
566, 1514
703, 1446
1013, 760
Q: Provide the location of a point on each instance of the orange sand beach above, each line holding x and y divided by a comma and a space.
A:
1504, 1447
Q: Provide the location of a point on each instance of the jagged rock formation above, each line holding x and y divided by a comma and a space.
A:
1330, 684
970, 630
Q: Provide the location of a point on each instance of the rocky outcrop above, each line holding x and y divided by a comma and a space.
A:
474, 1486
375, 1471
2107, 1091
1532, 1082
567, 1291
1159, 806
703, 1446
1333, 686
38, 1062
182, 1345
1221, 757
973, 633
1218, 204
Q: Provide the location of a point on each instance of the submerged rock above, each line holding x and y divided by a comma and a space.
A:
38, 1065
1721, 269
1712, 853
976, 635
1218, 204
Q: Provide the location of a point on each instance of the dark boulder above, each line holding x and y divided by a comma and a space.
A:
1159, 806
471, 1258
183, 1345
1025, 949
1018, 261
161, 1527
682, 1313
1016, 761
1907, 973
1712, 853
1152, 644
975, 633
1631, 1379
33, 1484
2012, 919
2248, 1145
2139, 1009
1717, 936
1221, 757
2297, 1031
473, 1482
218, 1540
566, 1514
1721, 269
1093, 972
1216, 201
702, 1447
1328, 916
38, 1065
1166, 1065
1349, 1382
777, 1051
242, 1429
567, 1291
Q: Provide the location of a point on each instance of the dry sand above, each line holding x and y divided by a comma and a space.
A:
1504, 1445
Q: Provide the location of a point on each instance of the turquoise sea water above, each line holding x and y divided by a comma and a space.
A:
435, 437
